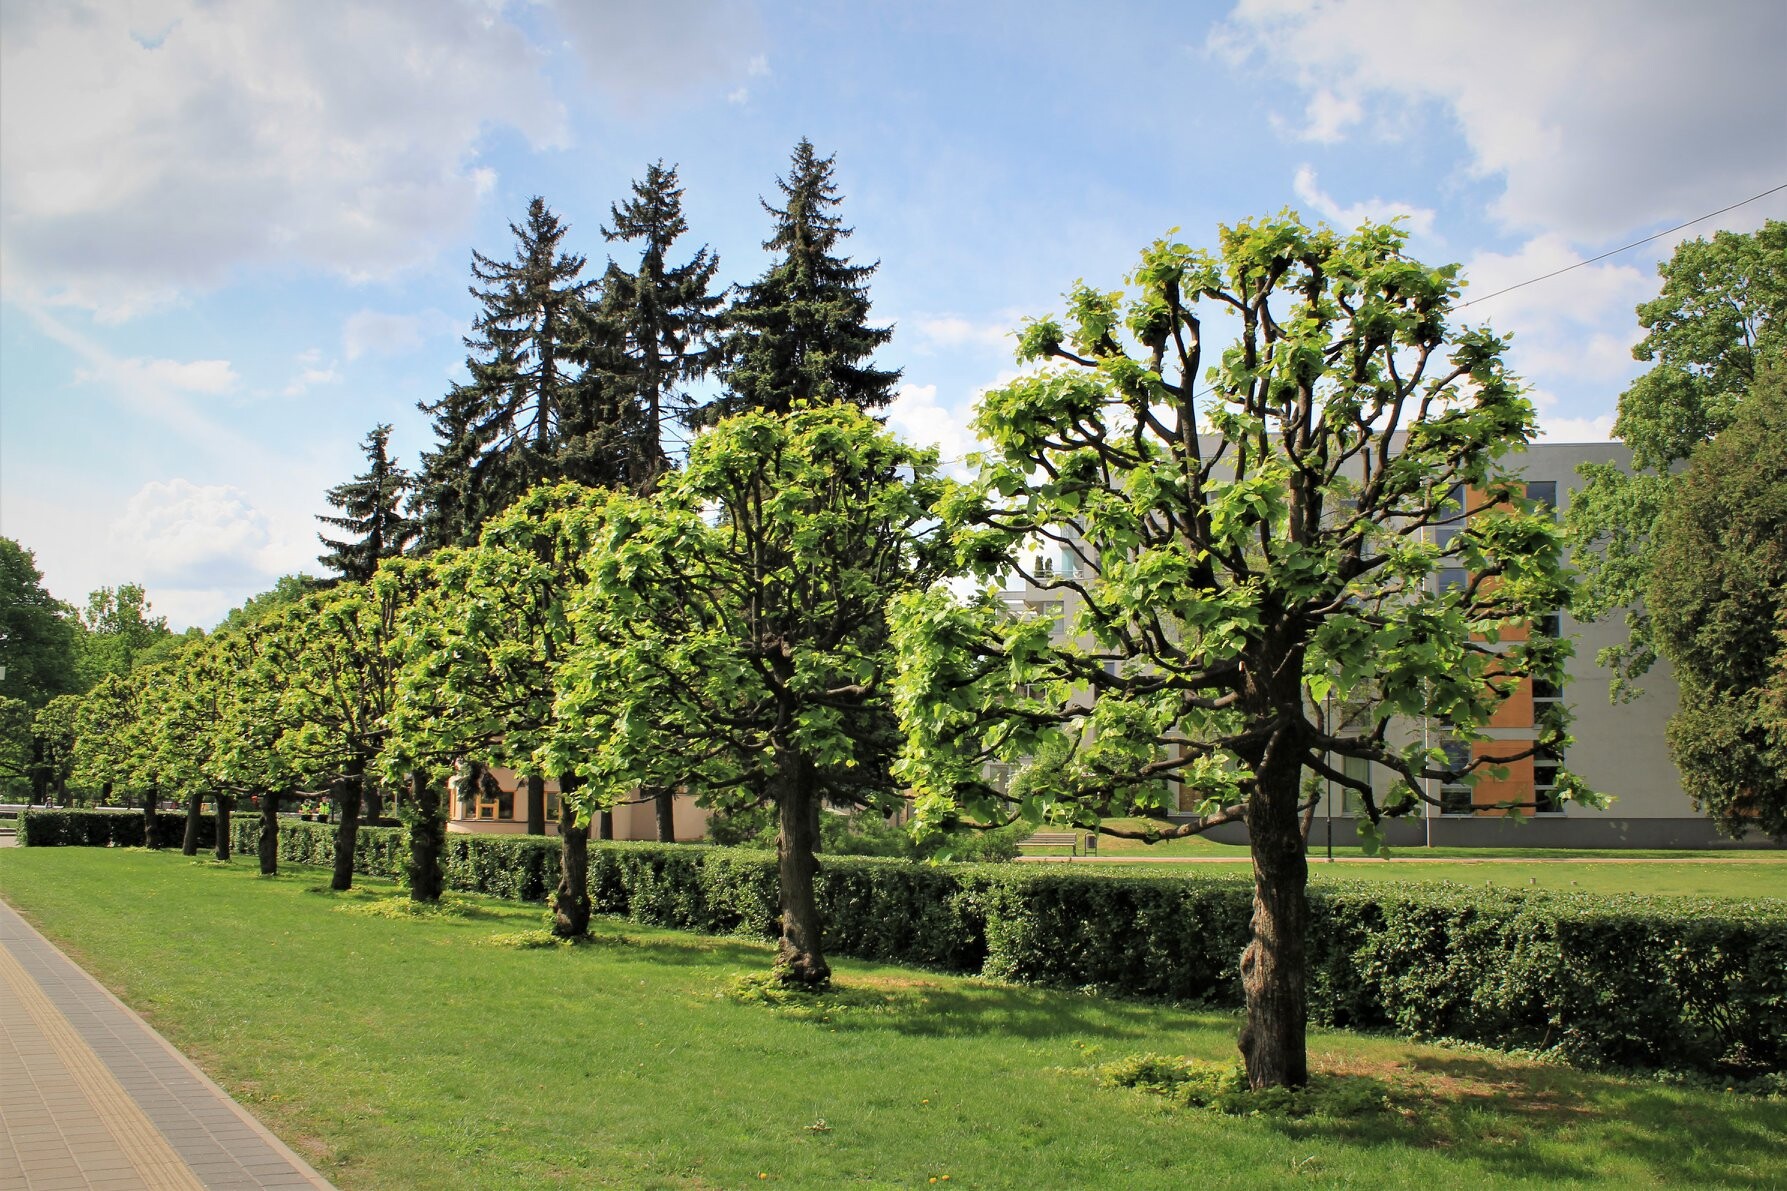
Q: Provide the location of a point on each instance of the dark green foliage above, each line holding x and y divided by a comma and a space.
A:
657, 317
1718, 601
37, 632
529, 413
116, 828
800, 332
1719, 321
373, 513
1674, 983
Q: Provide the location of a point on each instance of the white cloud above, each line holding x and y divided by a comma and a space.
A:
150, 157
313, 373
953, 331
741, 95
137, 373
1419, 220
1327, 116
180, 530
916, 415
367, 332
641, 53
1579, 325
1557, 426
1599, 116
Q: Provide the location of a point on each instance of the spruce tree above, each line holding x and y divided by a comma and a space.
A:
529, 412
658, 317
800, 332
371, 506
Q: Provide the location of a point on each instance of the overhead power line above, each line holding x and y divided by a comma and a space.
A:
1622, 248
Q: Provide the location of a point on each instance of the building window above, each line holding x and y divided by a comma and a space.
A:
1452, 579
1455, 796
1546, 763
1544, 494
494, 802
1357, 769
1453, 507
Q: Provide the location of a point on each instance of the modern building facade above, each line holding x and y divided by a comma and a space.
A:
1619, 749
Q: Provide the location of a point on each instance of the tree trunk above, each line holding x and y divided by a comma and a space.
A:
269, 846
664, 799
536, 804
427, 837
352, 783
151, 804
40, 773
222, 823
195, 804
605, 825
799, 961
570, 904
1274, 965
372, 802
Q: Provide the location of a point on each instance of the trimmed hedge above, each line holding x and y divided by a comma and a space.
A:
1677, 983
120, 827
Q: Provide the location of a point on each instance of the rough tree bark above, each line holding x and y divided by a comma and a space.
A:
195, 803
1274, 964
427, 837
222, 826
800, 963
151, 807
570, 902
536, 804
268, 850
349, 788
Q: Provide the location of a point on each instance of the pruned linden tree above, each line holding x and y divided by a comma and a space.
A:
1249, 582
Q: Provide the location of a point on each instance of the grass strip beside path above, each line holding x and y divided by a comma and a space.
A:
410, 1052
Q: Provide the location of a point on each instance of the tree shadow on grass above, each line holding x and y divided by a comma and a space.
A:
917, 1005
1502, 1115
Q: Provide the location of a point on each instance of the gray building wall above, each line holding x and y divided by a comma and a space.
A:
1620, 749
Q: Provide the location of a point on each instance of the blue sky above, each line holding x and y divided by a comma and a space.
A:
234, 236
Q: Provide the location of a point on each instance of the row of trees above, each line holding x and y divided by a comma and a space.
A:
742, 625
589, 378
53, 655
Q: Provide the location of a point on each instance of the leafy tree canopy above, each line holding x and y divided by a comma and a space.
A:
37, 632
1718, 599
1721, 315
1243, 608
122, 632
733, 630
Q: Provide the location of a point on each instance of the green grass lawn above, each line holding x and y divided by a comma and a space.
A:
412, 1053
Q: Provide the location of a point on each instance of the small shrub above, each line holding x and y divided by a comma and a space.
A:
1222, 1087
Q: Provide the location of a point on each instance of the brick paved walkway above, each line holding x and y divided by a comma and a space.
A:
91, 1097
